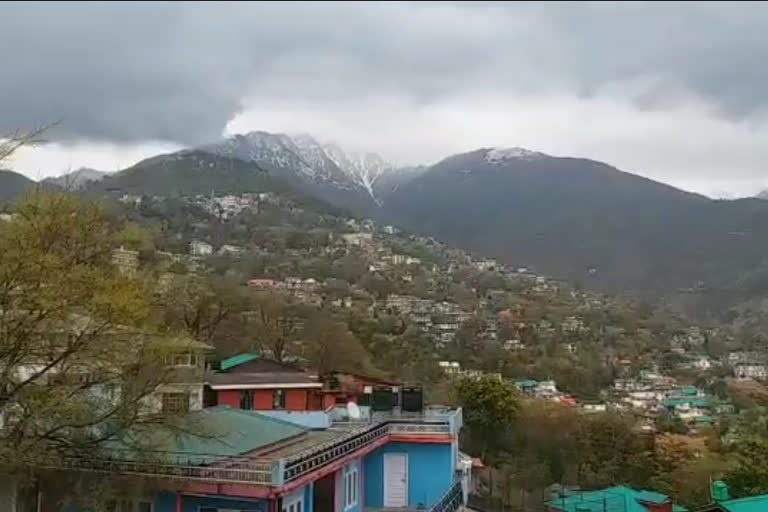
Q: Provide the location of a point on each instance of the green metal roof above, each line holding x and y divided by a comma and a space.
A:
216, 432
237, 360
752, 504
530, 383
612, 499
689, 391
694, 401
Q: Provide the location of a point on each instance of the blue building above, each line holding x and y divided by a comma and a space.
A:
251, 462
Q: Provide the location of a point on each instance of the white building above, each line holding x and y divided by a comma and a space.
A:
750, 371
357, 239
702, 363
513, 344
233, 250
450, 367
198, 248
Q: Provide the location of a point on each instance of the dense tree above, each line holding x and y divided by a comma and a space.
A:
490, 408
72, 328
275, 323
749, 476
329, 345
200, 306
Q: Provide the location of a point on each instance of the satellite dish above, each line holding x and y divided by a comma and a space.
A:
353, 410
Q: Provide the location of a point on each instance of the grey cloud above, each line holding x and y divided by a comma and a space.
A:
179, 71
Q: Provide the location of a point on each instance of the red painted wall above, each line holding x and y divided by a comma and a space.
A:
660, 507
296, 399
328, 401
230, 398
262, 399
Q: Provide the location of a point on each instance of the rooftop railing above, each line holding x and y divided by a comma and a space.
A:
239, 470
268, 471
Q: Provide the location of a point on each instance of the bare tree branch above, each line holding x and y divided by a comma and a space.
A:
10, 143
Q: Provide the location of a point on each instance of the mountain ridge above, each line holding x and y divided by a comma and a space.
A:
76, 179
13, 184
574, 218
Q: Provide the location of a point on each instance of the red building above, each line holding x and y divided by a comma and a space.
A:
247, 381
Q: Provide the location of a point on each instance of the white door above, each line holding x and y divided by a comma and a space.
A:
395, 479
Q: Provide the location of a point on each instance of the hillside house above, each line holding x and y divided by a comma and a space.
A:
614, 499
231, 250
357, 239
248, 461
252, 383
743, 356
450, 367
262, 283
750, 371
186, 362
200, 248
687, 408
126, 261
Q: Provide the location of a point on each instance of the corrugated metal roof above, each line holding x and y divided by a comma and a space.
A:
238, 359
611, 499
752, 504
694, 401
209, 434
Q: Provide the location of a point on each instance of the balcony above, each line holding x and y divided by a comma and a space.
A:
282, 463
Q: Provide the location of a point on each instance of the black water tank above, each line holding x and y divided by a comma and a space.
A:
382, 399
412, 400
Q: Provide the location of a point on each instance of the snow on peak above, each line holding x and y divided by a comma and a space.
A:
304, 155
500, 154
362, 168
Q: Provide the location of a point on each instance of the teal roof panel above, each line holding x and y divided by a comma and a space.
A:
237, 360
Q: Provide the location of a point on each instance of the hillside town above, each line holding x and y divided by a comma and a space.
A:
358, 351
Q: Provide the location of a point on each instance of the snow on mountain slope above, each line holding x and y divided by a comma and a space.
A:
362, 168
497, 155
308, 159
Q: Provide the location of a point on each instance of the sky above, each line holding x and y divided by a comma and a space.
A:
677, 92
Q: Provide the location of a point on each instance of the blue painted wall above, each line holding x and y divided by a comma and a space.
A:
430, 472
354, 465
308, 502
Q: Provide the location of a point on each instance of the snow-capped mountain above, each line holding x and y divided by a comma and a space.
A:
76, 179
500, 155
314, 163
365, 169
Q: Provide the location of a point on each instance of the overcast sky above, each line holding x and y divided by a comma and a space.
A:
674, 91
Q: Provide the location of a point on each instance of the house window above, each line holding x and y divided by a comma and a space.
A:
174, 403
145, 506
246, 399
187, 359
278, 399
295, 504
350, 488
